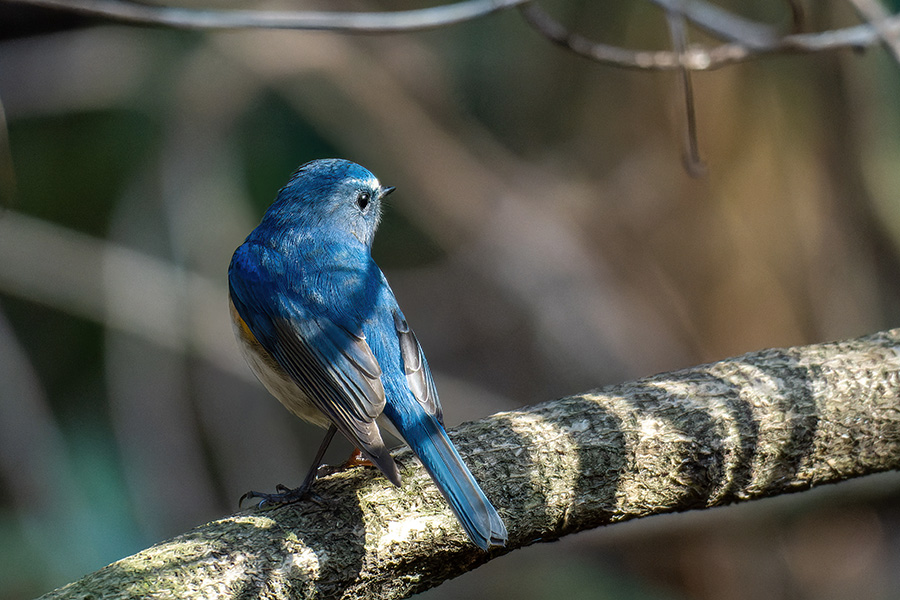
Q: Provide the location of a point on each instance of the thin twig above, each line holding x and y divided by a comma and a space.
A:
721, 23
699, 58
798, 16
749, 39
693, 164
349, 22
873, 12
557, 33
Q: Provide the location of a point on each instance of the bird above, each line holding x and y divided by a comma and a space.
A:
319, 325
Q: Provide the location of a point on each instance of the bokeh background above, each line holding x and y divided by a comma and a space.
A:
544, 240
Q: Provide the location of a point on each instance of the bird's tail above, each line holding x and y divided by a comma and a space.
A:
453, 478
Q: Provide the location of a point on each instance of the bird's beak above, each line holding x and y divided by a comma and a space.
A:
387, 190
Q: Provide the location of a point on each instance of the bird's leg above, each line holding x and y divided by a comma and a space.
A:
286, 495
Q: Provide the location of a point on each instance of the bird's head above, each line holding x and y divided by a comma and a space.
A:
333, 194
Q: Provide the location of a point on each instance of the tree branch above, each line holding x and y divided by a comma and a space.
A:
746, 39
756, 42
758, 425
721, 23
350, 22
876, 15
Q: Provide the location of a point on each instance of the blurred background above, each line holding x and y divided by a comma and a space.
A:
544, 239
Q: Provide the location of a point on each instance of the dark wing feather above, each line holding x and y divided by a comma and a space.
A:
418, 375
339, 365
340, 375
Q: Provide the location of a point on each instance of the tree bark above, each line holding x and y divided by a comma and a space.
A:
758, 425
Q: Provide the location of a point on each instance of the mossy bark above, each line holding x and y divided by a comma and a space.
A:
754, 426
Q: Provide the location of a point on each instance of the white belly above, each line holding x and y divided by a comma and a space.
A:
273, 377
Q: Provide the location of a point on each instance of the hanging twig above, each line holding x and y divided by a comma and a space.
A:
798, 17
691, 154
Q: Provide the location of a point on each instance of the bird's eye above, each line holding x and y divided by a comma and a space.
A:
362, 200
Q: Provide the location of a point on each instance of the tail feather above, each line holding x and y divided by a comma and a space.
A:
453, 478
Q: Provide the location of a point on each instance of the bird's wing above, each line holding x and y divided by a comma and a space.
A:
418, 375
334, 366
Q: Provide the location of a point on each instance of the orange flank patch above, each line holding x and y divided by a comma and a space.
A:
242, 327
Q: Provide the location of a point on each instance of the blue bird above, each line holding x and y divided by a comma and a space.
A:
319, 325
